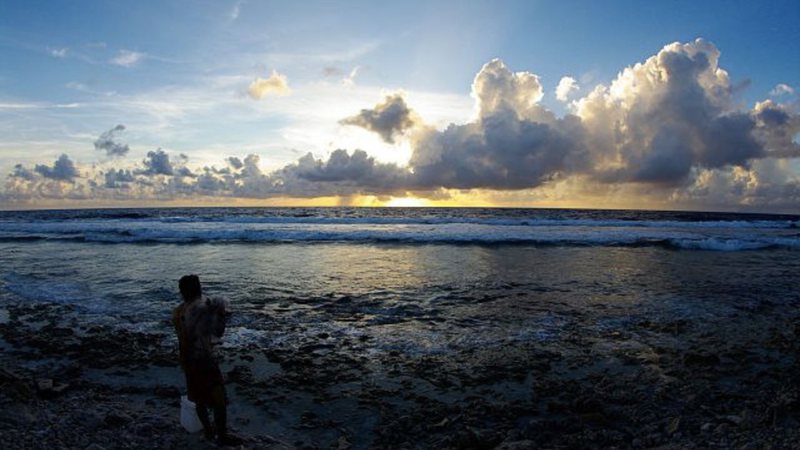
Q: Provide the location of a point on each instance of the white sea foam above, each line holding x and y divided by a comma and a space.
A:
532, 221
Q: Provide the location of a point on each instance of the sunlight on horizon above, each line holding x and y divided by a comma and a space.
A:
406, 202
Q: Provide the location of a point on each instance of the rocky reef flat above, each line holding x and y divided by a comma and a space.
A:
628, 381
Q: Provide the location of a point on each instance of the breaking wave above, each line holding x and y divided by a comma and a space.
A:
676, 230
700, 238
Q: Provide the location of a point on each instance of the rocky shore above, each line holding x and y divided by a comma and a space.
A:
640, 382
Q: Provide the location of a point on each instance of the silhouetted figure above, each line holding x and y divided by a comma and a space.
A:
199, 324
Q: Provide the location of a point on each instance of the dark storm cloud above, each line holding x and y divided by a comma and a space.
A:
354, 171
107, 142
500, 151
389, 119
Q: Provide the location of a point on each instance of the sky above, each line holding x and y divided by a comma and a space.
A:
619, 104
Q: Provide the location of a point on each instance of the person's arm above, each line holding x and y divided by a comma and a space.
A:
218, 312
177, 314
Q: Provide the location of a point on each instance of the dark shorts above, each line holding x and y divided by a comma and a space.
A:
204, 383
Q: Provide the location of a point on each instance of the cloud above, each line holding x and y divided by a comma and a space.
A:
513, 144
660, 119
667, 131
566, 87
781, 89
498, 152
106, 142
59, 52
157, 163
235, 162
127, 58
389, 119
276, 84
236, 10
22, 172
496, 88
185, 172
776, 127
350, 79
118, 178
63, 169
349, 173
768, 184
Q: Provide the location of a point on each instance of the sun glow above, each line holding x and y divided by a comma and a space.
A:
406, 202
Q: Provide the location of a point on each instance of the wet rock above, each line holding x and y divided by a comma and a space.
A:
9, 375
700, 359
242, 420
722, 429
473, 438
673, 425
240, 374
735, 420
167, 391
144, 429
47, 388
18, 416
594, 418
91, 420
343, 444
117, 419
44, 384
517, 445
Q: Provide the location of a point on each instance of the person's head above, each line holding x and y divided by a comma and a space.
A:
190, 287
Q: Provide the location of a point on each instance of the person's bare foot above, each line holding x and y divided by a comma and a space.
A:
229, 440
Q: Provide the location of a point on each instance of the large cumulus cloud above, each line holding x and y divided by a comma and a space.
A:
514, 143
676, 111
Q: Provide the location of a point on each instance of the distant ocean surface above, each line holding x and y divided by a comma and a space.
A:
681, 230
415, 280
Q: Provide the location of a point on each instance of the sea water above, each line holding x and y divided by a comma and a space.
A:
416, 280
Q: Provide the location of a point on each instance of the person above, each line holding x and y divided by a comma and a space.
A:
199, 323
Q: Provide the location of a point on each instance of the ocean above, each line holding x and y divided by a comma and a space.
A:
398, 264
471, 289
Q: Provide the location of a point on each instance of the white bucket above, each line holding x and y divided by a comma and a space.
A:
189, 418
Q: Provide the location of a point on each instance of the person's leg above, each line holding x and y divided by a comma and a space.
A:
221, 417
196, 385
202, 414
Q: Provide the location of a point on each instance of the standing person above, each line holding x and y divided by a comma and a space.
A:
199, 323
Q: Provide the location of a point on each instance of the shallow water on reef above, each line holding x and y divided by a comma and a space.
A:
417, 299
